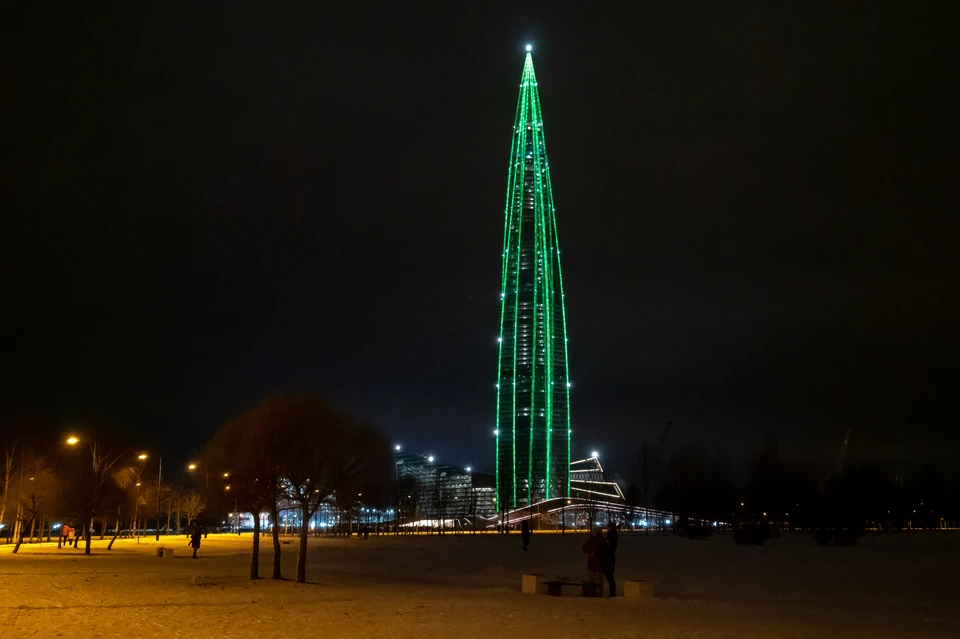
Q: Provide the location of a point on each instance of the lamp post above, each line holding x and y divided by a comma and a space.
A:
143, 456
396, 474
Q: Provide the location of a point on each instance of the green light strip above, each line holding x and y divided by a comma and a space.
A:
505, 260
518, 212
547, 274
530, 125
563, 311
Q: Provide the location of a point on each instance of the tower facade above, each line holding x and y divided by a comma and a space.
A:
533, 386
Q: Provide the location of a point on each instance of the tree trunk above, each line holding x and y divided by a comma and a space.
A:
7, 477
103, 528
20, 537
86, 536
275, 516
115, 532
255, 559
302, 551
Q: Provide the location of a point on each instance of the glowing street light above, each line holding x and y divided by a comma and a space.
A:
468, 469
192, 467
72, 440
143, 457
430, 459
397, 447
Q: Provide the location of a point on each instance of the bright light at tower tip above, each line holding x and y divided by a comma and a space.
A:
529, 47
595, 454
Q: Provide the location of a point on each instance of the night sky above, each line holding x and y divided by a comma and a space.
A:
756, 208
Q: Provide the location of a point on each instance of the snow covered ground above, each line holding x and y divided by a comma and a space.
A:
887, 586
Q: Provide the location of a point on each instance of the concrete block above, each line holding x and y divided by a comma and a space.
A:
637, 589
165, 553
533, 585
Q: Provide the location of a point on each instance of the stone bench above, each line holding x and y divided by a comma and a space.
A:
555, 588
535, 584
638, 589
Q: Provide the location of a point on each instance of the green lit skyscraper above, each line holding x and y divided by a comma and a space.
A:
533, 408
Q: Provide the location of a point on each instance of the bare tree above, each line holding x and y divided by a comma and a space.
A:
327, 450
36, 490
87, 488
409, 502
247, 452
9, 466
192, 505
173, 506
441, 499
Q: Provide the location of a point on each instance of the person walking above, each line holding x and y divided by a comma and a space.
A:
195, 538
609, 557
525, 534
595, 547
64, 538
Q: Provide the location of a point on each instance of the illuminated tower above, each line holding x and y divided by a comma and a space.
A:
533, 408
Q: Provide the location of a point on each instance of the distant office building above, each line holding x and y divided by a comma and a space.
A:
533, 385
429, 491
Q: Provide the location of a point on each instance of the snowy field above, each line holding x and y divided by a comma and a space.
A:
887, 586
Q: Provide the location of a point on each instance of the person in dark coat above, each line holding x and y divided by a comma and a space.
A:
525, 534
595, 547
610, 557
195, 535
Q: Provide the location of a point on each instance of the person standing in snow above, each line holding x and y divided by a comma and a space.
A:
195, 538
525, 534
595, 547
609, 558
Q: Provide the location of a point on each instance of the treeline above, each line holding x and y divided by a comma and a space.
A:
89, 485
841, 491
289, 452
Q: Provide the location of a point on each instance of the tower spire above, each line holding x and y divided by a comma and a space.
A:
533, 409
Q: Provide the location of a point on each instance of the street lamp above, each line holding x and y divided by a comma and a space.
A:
142, 457
72, 440
396, 478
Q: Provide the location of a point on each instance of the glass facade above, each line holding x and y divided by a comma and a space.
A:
533, 409
430, 492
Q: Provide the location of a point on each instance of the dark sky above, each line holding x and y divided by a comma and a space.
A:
756, 206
